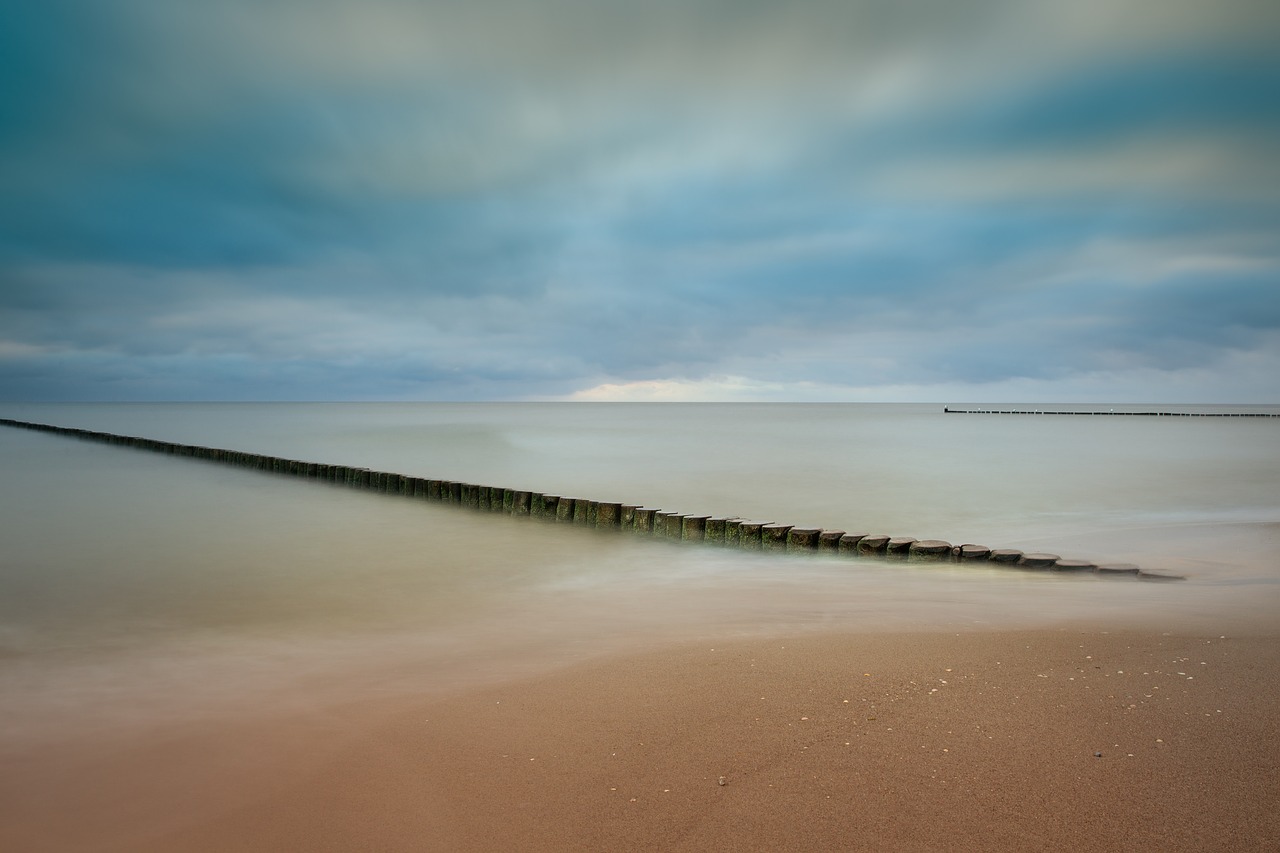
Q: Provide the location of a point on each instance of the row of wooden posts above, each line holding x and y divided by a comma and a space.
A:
1153, 414
604, 515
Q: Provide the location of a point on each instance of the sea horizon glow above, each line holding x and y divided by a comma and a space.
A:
918, 202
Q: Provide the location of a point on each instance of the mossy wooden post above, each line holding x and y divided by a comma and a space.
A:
971, 552
1008, 556
829, 540
898, 547
749, 537
849, 543
1073, 566
550, 507
773, 537
872, 546
672, 524
693, 528
585, 512
645, 518
608, 515
521, 503
802, 539
1038, 561
733, 532
564, 510
660, 522
713, 533
929, 551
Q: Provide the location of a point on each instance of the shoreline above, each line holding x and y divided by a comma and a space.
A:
862, 741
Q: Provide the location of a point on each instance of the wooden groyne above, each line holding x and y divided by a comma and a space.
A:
950, 411
726, 532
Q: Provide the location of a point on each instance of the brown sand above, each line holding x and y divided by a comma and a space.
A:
1065, 739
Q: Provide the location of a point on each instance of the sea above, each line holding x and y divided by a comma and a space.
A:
137, 586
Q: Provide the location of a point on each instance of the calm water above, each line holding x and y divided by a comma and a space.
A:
126, 574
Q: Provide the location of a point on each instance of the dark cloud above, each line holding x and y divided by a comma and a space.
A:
1127, 96
494, 199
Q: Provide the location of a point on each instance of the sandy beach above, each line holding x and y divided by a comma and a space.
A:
1082, 738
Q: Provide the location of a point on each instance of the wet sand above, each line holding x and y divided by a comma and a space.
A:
1082, 738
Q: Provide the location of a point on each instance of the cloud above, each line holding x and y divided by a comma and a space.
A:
458, 200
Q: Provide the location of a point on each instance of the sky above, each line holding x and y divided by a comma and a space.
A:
820, 200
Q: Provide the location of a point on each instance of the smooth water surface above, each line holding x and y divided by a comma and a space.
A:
127, 574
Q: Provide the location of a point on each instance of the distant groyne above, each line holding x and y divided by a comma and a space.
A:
719, 531
950, 411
